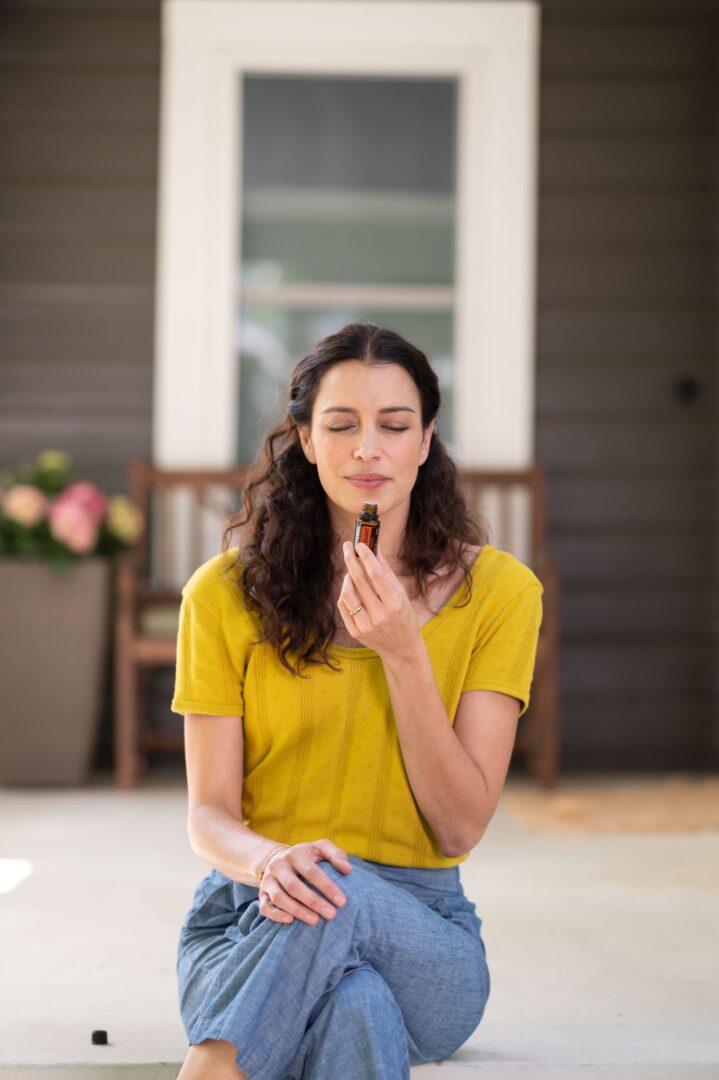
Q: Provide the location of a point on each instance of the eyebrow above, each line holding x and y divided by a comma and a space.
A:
390, 408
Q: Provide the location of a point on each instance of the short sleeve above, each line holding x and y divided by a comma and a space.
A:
206, 680
504, 654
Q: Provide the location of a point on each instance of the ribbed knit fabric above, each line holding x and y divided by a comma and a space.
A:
321, 754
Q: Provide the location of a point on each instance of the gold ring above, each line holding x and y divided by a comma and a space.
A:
355, 610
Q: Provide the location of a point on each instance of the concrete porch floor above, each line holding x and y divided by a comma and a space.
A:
603, 949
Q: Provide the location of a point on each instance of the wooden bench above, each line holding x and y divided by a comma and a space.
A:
513, 502
186, 511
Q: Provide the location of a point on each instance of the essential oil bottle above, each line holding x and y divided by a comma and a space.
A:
367, 526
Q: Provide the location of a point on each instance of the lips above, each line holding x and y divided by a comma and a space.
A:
367, 476
368, 485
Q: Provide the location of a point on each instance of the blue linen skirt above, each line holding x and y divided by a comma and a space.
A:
398, 977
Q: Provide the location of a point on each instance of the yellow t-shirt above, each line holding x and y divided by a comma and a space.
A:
322, 756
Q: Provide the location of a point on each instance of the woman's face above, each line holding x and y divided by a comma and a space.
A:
367, 419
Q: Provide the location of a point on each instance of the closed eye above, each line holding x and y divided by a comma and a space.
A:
348, 426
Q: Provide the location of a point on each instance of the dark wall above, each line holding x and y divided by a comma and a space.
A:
626, 328
626, 358
79, 101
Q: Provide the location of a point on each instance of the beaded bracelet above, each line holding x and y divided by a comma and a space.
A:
263, 865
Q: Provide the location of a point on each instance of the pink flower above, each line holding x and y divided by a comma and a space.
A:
87, 496
25, 504
73, 524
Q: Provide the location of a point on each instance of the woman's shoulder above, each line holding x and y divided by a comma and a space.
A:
216, 585
212, 577
502, 574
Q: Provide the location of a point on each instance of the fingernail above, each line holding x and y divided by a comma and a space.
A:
338, 899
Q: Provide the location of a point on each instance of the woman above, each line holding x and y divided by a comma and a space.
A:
348, 729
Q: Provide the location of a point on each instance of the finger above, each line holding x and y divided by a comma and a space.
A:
271, 911
347, 619
295, 887
383, 581
364, 587
324, 883
382, 576
350, 621
334, 854
282, 900
379, 554
349, 595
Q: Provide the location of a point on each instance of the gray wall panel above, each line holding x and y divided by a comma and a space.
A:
613, 443
626, 310
79, 100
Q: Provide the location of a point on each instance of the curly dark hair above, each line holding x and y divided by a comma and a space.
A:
286, 539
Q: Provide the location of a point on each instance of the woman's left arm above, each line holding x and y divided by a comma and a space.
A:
456, 774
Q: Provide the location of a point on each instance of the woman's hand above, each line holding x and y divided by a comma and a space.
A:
387, 621
284, 895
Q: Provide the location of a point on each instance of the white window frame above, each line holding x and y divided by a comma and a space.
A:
491, 48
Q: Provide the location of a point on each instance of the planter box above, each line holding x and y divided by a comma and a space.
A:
54, 636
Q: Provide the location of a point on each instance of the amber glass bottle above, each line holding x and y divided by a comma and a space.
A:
367, 526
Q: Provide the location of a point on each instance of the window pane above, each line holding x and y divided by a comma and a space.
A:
273, 339
348, 180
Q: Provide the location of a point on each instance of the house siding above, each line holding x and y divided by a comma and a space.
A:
79, 113
626, 308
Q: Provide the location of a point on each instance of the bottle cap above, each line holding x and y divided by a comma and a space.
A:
99, 1038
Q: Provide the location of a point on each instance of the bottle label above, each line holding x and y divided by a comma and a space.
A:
366, 534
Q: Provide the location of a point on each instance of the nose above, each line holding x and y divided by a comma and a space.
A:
365, 445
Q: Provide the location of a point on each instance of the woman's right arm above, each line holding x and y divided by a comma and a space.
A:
218, 835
